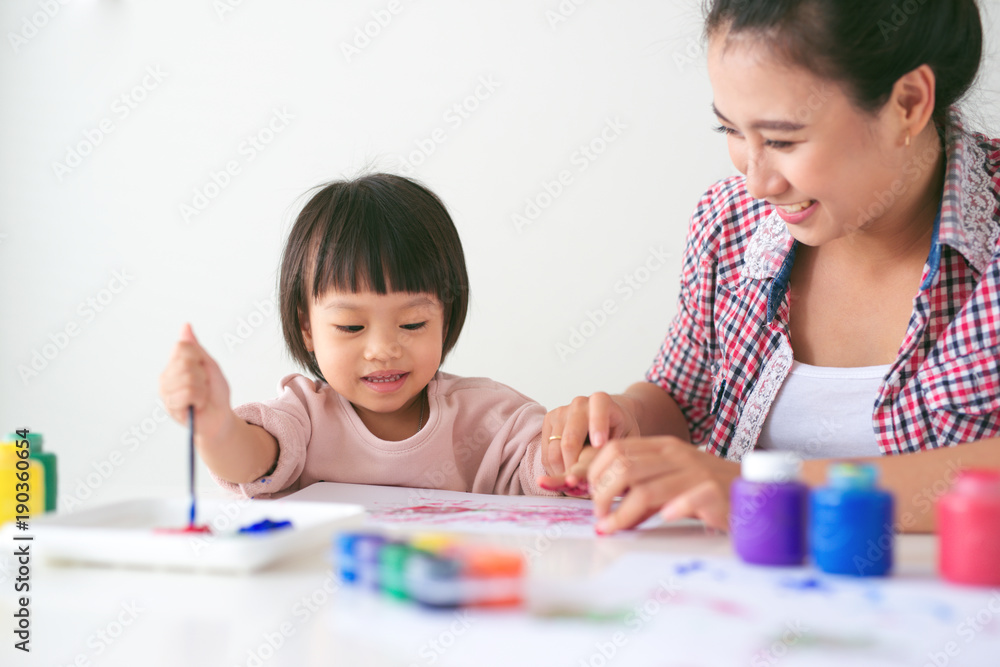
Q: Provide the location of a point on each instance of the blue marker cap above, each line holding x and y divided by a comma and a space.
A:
344, 546
366, 550
357, 557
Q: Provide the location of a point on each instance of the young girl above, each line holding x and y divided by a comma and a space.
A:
373, 295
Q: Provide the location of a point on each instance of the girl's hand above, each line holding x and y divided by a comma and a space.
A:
600, 416
574, 482
664, 474
193, 378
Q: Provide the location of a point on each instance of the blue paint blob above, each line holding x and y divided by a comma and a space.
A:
687, 568
265, 526
943, 612
806, 584
874, 595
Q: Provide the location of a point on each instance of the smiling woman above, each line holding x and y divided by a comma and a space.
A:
839, 299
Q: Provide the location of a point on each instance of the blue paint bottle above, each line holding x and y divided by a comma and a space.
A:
767, 517
851, 523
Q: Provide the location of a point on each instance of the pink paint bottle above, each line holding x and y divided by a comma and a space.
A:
968, 523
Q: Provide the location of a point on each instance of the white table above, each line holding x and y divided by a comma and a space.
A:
718, 612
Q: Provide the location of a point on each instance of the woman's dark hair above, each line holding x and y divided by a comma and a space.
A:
865, 44
379, 232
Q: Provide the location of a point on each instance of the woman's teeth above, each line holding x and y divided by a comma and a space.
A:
795, 208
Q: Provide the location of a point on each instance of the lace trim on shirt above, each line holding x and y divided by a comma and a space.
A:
979, 230
766, 249
759, 402
967, 223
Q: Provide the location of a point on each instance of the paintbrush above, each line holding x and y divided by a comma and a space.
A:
191, 519
191, 527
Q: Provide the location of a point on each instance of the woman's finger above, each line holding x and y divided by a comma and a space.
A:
617, 467
641, 502
598, 423
706, 502
574, 431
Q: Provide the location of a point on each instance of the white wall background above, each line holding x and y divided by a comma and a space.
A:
82, 350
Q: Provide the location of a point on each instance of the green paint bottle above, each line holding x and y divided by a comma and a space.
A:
48, 462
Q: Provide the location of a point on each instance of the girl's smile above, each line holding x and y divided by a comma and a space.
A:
385, 382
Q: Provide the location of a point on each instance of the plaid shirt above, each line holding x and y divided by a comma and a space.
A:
728, 349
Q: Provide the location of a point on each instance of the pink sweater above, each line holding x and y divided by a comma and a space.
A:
480, 436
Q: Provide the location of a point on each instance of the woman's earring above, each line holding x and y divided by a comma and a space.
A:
907, 141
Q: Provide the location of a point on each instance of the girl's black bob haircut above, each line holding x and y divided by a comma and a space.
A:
381, 233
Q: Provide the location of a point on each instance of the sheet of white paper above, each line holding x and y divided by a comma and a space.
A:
431, 509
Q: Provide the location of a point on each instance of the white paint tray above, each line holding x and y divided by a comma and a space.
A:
123, 533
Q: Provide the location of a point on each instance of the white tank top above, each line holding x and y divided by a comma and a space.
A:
824, 412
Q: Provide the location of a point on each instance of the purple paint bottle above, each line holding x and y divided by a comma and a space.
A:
767, 516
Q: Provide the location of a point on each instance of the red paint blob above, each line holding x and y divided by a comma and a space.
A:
437, 509
185, 530
581, 488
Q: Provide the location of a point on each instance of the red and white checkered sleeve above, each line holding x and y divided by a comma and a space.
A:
683, 365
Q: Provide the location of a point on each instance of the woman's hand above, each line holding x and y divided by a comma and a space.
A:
193, 378
664, 474
599, 416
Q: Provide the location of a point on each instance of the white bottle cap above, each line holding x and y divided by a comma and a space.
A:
765, 466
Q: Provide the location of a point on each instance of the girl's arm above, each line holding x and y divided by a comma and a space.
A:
917, 480
240, 453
